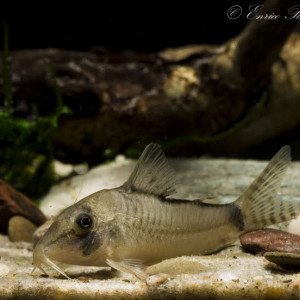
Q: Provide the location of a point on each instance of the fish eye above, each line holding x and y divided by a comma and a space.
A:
84, 221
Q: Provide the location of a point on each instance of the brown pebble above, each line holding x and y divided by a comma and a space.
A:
68, 182
284, 260
20, 229
14, 203
270, 240
155, 280
83, 279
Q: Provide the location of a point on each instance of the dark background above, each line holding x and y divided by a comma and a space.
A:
145, 26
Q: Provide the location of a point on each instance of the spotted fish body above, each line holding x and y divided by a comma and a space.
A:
138, 223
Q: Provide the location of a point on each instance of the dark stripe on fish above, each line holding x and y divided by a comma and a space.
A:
237, 216
88, 243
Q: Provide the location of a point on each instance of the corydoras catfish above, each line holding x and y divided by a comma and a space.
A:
138, 224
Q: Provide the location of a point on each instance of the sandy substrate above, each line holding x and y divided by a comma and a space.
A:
230, 274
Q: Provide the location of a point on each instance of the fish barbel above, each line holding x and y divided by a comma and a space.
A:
138, 224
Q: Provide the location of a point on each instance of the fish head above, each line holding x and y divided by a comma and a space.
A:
78, 236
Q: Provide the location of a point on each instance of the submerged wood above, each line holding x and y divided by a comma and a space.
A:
195, 99
13, 203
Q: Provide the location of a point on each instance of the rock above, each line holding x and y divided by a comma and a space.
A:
270, 240
20, 229
284, 260
14, 203
155, 280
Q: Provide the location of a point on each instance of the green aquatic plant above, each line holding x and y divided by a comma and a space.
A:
26, 150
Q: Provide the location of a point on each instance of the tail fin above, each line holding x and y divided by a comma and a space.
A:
259, 204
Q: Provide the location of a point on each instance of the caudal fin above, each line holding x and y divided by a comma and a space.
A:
259, 204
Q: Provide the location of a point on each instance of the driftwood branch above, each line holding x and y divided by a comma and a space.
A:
221, 100
259, 45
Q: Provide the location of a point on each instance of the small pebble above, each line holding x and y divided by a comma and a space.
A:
284, 260
4, 270
228, 276
81, 169
20, 229
270, 240
62, 169
258, 278
296, 286
158, 279
83, 279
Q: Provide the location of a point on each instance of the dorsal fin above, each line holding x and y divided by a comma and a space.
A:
152, 173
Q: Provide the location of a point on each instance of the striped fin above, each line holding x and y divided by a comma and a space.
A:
152, 174
260, 204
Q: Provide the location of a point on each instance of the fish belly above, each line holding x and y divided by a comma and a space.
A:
201, 243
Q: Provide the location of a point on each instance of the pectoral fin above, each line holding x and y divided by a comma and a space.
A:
132, 266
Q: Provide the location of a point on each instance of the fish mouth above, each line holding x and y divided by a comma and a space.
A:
40, 260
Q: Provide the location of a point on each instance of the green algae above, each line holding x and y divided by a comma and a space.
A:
26, 150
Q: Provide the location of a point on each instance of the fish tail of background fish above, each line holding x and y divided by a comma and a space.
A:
260, 205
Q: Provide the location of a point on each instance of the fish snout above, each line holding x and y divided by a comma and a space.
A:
40, 259
38, 255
